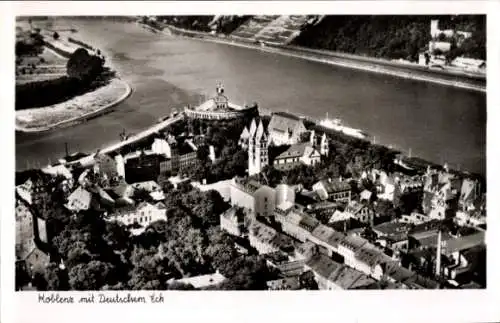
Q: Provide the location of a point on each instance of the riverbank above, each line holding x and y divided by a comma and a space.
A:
395, 69
75, 110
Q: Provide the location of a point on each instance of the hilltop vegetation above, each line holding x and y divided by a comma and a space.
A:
84, 73
392, 37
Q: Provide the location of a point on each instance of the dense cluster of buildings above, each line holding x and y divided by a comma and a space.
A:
284, 129
412, 251
329, 229
275, 222
441, 43
219, 108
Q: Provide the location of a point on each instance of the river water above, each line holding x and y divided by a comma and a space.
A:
438, 123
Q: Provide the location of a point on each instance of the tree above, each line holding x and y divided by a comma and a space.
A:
22, 277
91, 276
55, 35
56, 278
307, 281
39, 281
83, 66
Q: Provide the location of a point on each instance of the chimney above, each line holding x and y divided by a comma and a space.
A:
66, 148
438, 255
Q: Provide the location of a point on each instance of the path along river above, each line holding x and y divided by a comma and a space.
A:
437, 122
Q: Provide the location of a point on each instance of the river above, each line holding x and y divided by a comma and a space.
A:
438, 123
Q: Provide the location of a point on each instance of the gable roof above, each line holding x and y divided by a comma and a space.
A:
354, 207
284, 122
260, 133
81, 195
245, 134
323, 265
286, 283
464, 243
253, 128
322, 232
347, 278
203, 280
353, 242
298, 150
335, 186
262, 232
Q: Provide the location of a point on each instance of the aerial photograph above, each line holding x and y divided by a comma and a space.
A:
250, 152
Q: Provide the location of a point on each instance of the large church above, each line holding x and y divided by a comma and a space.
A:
256, 140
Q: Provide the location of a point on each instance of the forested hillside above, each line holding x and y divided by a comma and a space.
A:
391, 37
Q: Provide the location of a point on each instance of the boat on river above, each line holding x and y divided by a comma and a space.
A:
337, 125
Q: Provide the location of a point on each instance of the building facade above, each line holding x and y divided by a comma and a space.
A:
285, 129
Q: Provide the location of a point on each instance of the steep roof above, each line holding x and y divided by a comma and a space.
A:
253, 128
262, 232
249, 186
245, 134
260, 133
285, 122
81, 195
335, 186
369, 256
346, 277
298, 150
322, 232
464, 243
353, 242
392, 228
354, 207
308, 222
323, 265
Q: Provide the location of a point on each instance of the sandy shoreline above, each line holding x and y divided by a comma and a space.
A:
101, 96
77, 109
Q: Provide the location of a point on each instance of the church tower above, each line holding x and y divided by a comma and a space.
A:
257, 150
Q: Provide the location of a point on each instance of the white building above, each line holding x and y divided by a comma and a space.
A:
142, 215
161, 147
285, 129
79, 200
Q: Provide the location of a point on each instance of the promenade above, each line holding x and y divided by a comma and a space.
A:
87, 160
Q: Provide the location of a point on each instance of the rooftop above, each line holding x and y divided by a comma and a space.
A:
297, 150
262, 232
306, 247
323, 265
391, 228
322, 232
248, 186
465, 242
308, 222
369, 256
284, 122
353, 242
203, 280
349, 278
334, 186
287, 283
354, 207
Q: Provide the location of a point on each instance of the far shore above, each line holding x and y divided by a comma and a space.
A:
395, 69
